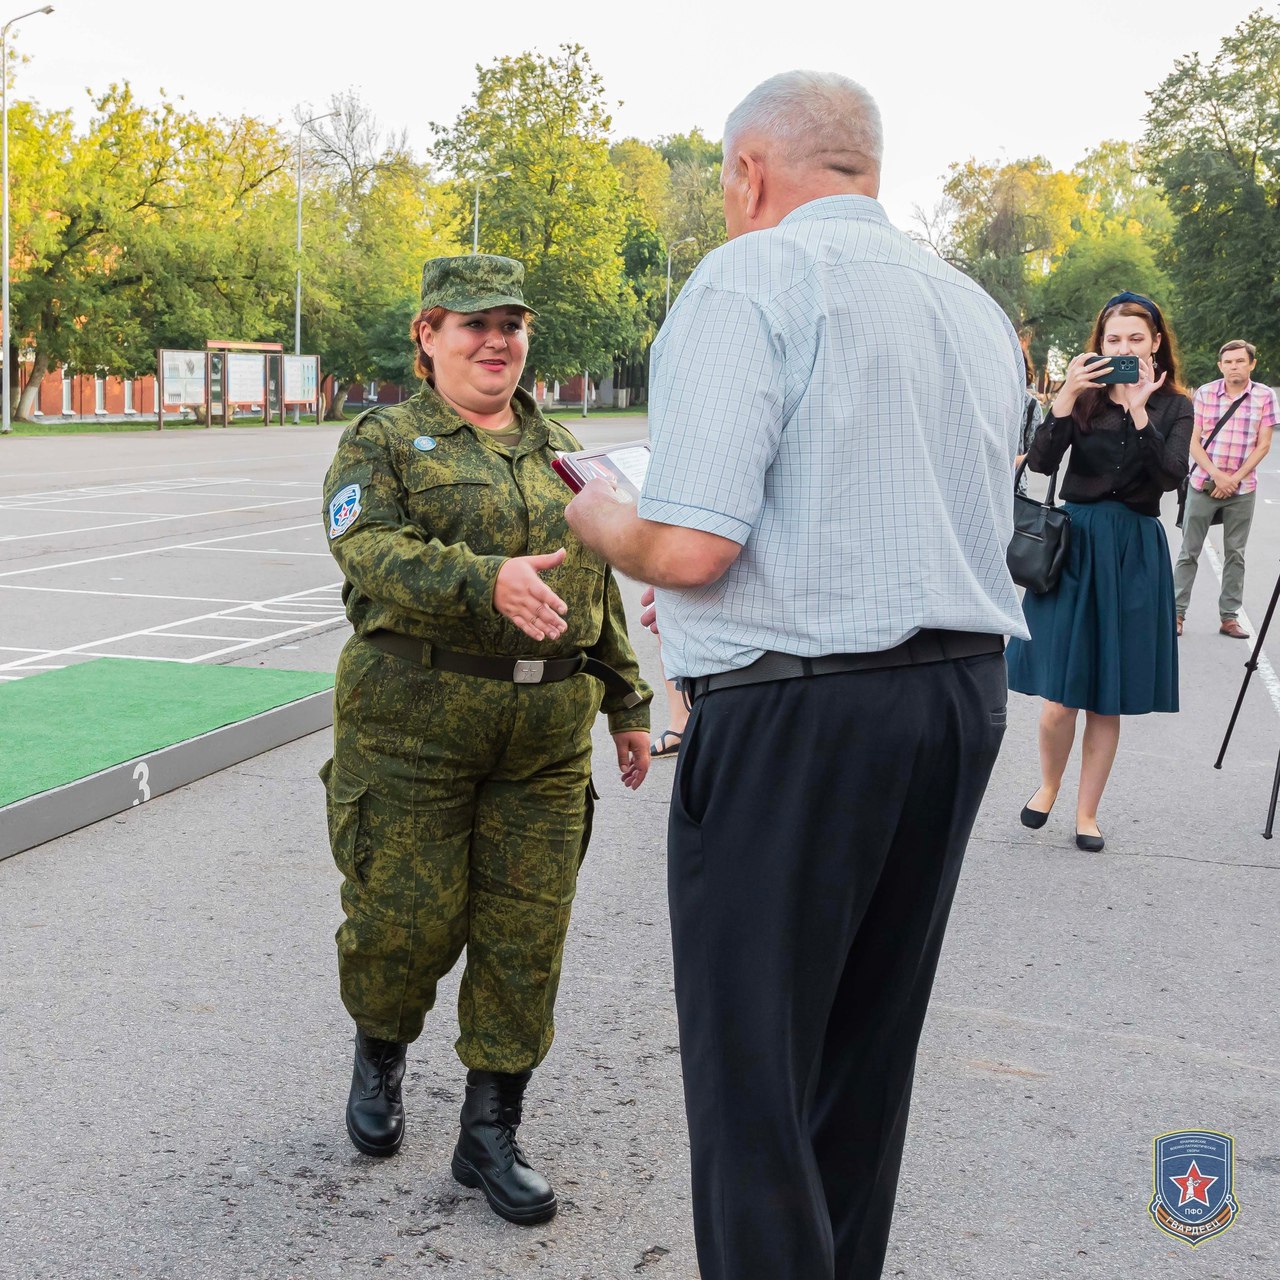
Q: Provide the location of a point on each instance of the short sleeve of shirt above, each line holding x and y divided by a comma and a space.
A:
720, 402
1270, 417
1199, 403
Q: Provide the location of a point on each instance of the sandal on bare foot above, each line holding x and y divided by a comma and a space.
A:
661, 747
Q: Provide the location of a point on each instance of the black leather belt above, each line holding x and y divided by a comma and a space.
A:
923, 647
514, 670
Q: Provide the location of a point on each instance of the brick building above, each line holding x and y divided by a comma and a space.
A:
84, 396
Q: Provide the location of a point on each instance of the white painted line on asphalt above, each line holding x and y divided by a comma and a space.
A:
188, 463
149, 551
1265, 670
133, 524
316, 606
200, 635
271, 551
42, 508
181, 622
280, 635
180, 486
124, 657
120, 595
216, 481
17, 648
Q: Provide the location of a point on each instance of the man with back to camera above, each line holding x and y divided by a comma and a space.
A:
833, 416
1223, 483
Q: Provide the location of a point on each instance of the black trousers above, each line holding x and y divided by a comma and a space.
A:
817, 830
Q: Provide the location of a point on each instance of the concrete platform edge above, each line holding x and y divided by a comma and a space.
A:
50, 814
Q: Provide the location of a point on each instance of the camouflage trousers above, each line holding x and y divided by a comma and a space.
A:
459, 811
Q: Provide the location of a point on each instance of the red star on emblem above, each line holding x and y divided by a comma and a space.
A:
1194, 1185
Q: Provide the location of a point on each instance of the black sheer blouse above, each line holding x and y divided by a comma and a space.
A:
1115, 462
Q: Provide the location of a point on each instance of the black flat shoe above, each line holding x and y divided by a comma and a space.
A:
1033, 818
1090, 844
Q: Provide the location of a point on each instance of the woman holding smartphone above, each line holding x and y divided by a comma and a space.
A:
1104, 641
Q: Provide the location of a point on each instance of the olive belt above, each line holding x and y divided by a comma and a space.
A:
923, 647
514, 670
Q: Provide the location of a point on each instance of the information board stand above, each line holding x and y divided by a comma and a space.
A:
227, 376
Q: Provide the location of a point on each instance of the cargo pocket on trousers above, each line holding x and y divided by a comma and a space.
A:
344, 791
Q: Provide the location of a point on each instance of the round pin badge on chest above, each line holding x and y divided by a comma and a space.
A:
424, 444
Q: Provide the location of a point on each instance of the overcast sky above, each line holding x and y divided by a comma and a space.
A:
993, 79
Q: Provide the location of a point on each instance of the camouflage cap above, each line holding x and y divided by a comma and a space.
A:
473, 283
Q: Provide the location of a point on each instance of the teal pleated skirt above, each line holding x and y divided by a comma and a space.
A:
1105, 639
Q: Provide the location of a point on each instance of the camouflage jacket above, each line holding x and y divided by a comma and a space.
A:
421, 510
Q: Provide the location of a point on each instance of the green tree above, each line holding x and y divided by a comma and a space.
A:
1050, 246
375, 216
694, 216
645, 181
1005, 226
1123, 225
1116, 189
152, 228
691, 148
1213, 141
1095, 266
645, 178
536, 136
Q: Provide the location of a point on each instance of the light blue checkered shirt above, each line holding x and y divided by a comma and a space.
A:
846, 406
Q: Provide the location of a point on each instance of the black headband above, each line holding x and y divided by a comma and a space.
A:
1145, 303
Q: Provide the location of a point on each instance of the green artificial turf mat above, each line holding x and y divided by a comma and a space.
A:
64, 725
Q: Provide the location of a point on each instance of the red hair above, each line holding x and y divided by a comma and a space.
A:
432, 318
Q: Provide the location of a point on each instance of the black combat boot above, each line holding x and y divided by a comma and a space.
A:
375, 1114
488, 1154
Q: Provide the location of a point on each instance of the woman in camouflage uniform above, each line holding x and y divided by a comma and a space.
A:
487, 638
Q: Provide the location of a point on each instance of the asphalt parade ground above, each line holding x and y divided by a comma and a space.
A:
174, 1058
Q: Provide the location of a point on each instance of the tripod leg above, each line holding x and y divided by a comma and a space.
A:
1249, 668
1271, 809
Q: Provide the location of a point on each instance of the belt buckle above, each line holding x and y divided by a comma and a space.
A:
528, 670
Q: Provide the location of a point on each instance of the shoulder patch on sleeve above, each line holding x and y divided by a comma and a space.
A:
344, 510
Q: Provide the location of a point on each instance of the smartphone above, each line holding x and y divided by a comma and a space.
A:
1123, 369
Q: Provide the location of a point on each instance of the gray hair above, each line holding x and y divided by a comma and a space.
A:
820, 119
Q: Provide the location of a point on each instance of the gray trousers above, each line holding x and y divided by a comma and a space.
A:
1237, 516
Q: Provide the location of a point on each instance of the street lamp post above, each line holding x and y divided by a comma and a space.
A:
670, 250
297, 292
5, 424
475, 218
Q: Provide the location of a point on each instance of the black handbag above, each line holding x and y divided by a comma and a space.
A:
1041, 538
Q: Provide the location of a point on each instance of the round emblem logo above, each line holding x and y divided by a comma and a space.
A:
425, 443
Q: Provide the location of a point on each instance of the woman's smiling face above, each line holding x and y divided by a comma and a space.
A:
477, 357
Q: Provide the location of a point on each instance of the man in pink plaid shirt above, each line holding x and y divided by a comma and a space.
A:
1224, 482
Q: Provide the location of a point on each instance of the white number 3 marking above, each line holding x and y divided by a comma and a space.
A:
142, 775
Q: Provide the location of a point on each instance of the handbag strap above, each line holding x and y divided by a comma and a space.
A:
1053, 480
1222, 421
